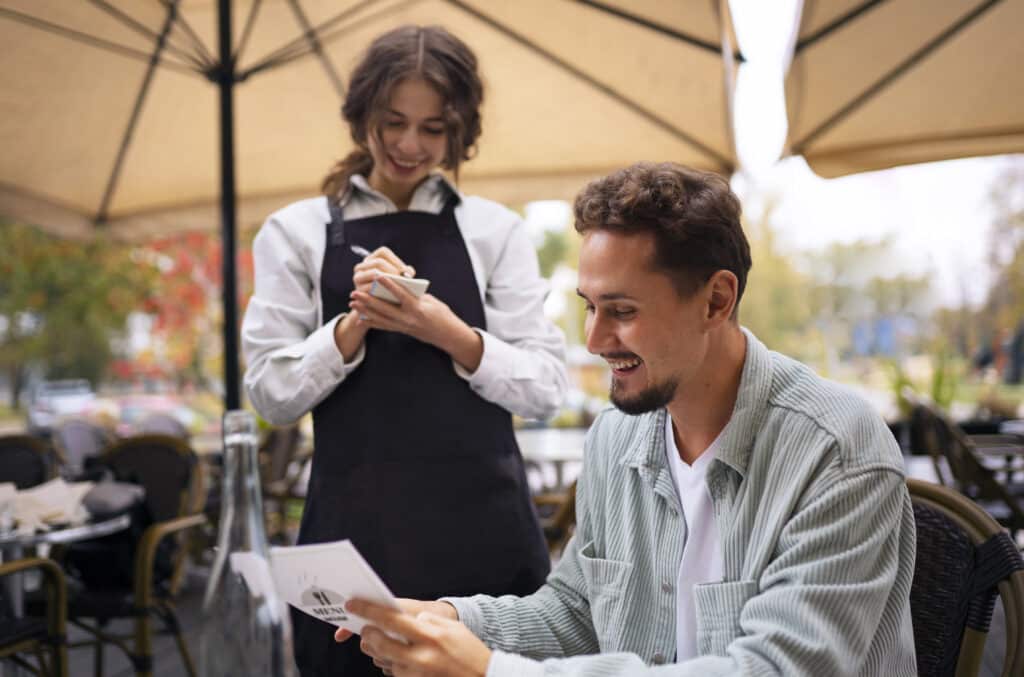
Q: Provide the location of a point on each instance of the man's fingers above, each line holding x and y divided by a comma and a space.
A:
382, 648
341, 635
395, 620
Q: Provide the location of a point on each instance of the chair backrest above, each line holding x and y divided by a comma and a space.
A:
24, 460
77, 439
947, 444
964, 560
165, 466
162, 424
277, 451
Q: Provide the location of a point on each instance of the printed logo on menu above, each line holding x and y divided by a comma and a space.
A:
327, 605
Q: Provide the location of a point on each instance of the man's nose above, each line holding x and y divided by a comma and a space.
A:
598, 334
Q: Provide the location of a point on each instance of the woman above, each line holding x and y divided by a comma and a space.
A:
415, 460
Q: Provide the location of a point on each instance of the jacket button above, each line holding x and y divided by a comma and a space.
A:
666, 586
659, 658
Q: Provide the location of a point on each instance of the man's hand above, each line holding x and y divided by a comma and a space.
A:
413, 607
436, 643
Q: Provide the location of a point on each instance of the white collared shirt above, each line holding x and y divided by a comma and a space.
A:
293, 361
702, 552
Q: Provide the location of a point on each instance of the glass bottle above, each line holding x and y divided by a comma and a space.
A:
246, 628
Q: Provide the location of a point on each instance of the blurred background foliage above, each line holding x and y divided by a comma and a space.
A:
148, 316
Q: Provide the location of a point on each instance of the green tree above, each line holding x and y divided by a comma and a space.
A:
62, 302
775, 304
553, 250
1004, 307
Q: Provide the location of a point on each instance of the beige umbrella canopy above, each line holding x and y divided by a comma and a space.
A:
880, 83
91, 135
146, 117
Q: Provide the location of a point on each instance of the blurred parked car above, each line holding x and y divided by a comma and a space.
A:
52, 400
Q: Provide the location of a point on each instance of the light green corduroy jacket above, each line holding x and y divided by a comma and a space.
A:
817, 535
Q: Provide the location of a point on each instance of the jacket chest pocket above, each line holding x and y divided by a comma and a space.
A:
606, 582
718, 607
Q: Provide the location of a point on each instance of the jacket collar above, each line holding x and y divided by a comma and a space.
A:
435, 189
647, 451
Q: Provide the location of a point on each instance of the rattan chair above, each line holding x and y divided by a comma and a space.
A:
960, 465
136, 575
557, 514
964, 560
280, 459
25, 461
44, 637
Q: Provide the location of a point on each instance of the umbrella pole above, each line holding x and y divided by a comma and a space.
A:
226, 84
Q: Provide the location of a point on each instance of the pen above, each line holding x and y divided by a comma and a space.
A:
363, 252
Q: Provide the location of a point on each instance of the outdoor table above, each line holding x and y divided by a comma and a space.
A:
13, 544
555, 447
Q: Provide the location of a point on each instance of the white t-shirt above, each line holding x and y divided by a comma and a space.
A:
702, 551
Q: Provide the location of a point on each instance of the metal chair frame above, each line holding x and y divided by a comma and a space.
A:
54, 641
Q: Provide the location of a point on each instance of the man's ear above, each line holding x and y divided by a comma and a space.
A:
722, 287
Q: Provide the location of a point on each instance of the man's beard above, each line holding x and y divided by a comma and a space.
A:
648, 399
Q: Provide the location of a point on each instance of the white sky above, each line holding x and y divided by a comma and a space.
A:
939, 212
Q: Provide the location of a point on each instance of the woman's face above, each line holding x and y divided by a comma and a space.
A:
413, 139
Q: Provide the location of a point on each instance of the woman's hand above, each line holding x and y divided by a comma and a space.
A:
435, 643
381, 260
426, 318
349, 333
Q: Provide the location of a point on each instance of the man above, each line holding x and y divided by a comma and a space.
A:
737, 514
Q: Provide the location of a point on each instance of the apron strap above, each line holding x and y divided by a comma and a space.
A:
336, 226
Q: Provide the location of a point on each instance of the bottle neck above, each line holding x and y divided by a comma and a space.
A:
241, 519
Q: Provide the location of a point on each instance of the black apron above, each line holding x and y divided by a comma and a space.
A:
423, 475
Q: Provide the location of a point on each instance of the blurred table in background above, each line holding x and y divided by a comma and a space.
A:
553, 456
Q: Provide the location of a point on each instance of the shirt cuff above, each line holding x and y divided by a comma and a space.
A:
489, 369
328, 355
510, 665
469, 613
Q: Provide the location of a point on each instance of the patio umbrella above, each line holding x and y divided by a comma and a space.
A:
880, 83
123, 115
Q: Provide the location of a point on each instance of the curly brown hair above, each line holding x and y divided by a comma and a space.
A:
694, 216
427, 52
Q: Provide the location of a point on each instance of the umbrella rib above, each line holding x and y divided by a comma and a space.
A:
154, 61
191, 34
91, 40
836, 24
303, 50
658, 27
314, 44
602, 87
298, 47
890, 77
250, 21
142, 29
